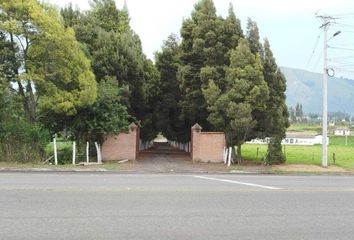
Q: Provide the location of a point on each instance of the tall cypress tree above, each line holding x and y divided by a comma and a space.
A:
231, 32
116, 53
197, 51
167, 107
276, 116
253, 37
245, 92
206, 42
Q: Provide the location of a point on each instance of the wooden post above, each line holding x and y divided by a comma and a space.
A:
257, 152
87, 152
74, 152
55, 151
346, 139
334, 158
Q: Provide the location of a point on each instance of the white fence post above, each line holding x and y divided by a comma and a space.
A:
229, 158
225, 155
74, 152
99, 150
55, 151
87, 152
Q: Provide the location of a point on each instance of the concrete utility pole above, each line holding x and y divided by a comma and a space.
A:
325, 99
326, 22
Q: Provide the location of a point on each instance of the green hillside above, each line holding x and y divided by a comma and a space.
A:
306, 87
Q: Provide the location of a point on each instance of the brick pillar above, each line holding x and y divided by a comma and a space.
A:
195, 131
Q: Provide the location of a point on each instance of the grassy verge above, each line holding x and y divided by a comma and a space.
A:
110, 166
308, 154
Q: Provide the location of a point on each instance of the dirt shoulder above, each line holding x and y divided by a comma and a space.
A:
160, 165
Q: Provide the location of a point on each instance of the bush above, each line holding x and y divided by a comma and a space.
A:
274, 154
21, 141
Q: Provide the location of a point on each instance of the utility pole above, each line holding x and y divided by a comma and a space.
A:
326, 22
325, 99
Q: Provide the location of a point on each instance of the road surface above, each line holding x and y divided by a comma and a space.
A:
173, 206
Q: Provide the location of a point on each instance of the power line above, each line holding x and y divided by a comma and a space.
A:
320, 56
342, 57
341, 15
314, 48
341, 48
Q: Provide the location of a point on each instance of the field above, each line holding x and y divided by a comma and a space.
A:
308, 154
302, 127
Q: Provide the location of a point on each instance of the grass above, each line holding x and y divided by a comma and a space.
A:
61, 145
304, 127
308, 154
110, 166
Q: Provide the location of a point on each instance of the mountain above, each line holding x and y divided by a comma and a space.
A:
306, 88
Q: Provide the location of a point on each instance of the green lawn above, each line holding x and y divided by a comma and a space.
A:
308, 154
304, 127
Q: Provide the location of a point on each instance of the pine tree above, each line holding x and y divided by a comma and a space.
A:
167, 108
276, 115
231, 31
116, 53
198, 42
206, 42
245, 91
253, 37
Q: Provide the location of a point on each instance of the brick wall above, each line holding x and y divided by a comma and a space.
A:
121, 146
207, 146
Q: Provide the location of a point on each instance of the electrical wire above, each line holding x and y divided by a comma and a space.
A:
341, 48
317, 61
314, 48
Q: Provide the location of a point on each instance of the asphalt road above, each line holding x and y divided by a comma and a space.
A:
156, 206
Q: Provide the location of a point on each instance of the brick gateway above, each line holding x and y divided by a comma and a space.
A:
205, 146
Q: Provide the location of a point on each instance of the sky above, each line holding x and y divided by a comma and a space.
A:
291, 27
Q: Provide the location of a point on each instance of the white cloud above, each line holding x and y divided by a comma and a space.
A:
290, 25
294, 7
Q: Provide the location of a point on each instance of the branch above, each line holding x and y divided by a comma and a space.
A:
22, 46
13, 89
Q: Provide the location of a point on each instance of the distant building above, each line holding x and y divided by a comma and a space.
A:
294, 138
341, 131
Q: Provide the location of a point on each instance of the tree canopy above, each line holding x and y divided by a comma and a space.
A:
49, 68
85, 72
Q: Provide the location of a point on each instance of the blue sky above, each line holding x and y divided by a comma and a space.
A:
290, 26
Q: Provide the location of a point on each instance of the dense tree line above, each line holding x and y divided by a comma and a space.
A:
84, 73
228, 81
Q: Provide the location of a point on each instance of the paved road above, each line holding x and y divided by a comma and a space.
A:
157, 206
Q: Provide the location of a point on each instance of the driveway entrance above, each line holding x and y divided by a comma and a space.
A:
164, 158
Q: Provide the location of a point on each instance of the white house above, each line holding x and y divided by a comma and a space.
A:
294, 138
341, 131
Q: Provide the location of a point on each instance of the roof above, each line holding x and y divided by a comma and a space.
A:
341, 128
300, 135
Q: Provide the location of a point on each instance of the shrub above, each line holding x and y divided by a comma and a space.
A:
21, 141
274, 154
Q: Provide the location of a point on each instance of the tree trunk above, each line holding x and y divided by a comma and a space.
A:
239, 157
32, 105
29, 102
